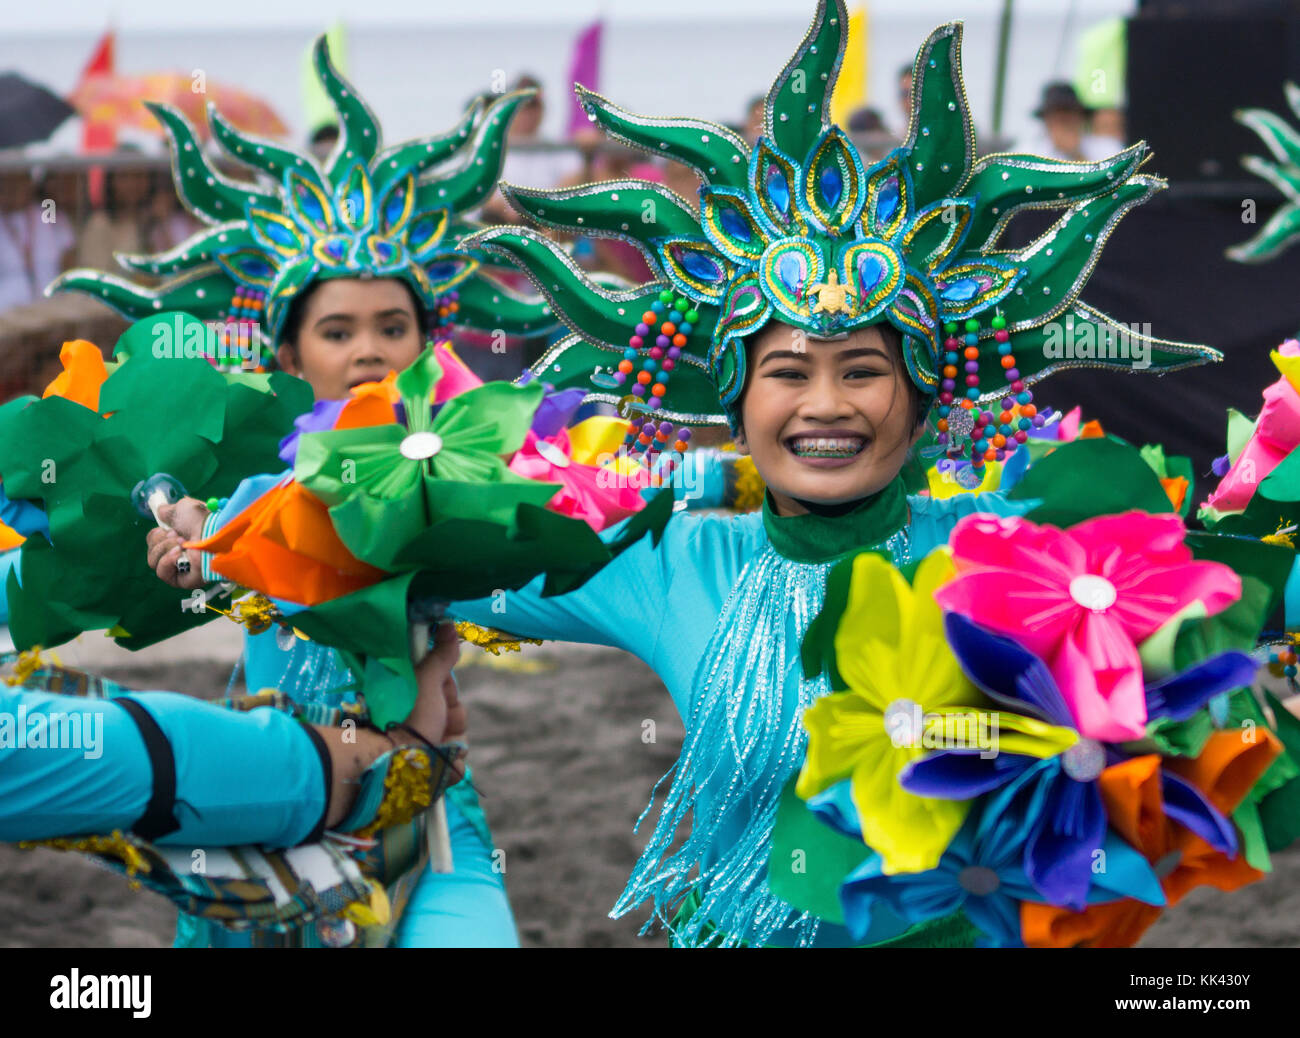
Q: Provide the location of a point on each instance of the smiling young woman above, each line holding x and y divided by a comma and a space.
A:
828, 422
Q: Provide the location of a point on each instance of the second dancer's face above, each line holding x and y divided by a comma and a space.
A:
353, 331
828, 422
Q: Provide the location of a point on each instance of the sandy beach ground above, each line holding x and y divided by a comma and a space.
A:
567, 743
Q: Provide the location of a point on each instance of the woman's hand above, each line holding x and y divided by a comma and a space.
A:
186, 518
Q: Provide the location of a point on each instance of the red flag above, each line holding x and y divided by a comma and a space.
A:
98, 135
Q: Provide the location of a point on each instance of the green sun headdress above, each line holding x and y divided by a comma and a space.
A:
366, 211
797, 229
1283, 141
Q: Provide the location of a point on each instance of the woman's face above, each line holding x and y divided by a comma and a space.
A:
353, 331
828, 422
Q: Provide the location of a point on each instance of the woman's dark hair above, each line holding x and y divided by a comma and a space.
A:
919, 399
292, 326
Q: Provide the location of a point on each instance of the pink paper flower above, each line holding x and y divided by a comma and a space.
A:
1277, 433
591, 494
456, 375
1082, 599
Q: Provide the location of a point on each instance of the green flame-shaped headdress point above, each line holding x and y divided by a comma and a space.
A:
366, 211
1282, 229
798, 229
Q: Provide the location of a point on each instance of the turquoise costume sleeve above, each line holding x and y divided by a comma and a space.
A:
1291, 596
8, 563
71, 765
615, 607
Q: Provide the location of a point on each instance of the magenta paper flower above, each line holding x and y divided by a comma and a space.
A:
597, 496
1276, 434
1082, 599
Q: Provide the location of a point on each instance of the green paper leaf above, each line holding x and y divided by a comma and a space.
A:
818, 650
1066, 483
1237, 627
1181, 738
810, 860
1254, 846
1240, 430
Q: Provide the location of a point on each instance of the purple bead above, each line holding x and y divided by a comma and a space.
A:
1001, 454
619, 377
638, 390
1013, 374
653, 402
663, 342
1038, 421
949, 384
942, 438
684, 434
665, 427
972, 366
1008, 402
643, 329
1220, 466
674, 352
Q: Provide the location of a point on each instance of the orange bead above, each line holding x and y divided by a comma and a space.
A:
1005, 418
1008, 362
679, 446
942, 424
950, 371
455, 307
644, 377
999, 440
625, 366
1029, 410
972, 353
658, 389
990, 455
649, 317
667, 328
679, 339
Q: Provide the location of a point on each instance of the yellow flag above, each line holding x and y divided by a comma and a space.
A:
315, 102
851, 88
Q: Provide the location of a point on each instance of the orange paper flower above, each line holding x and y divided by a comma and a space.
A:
1229, 765
82, 375
285, 545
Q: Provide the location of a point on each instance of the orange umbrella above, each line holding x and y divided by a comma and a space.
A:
117, 101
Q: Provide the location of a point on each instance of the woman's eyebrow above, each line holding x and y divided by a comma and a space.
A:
862, 351
784, 355
333, 317
396, 311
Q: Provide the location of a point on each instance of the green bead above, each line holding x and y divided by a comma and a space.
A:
212, 504
999, 322
665, 297
950, 327
972, 325
681, 303
692, 316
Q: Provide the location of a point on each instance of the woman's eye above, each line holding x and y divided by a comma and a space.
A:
334, 335
863, 373
395, 331
791, 373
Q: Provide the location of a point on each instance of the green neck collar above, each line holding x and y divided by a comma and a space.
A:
819, 538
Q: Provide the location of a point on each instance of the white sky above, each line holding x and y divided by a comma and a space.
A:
58, 16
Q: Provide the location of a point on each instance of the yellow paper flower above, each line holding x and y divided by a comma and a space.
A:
891, 651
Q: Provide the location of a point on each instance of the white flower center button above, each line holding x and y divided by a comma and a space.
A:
553, 454
420, 446
1093, 592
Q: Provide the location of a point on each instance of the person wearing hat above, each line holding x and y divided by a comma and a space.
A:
1065, 122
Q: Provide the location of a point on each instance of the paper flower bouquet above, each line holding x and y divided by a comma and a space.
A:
78, 454
423, 489
1046, 729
